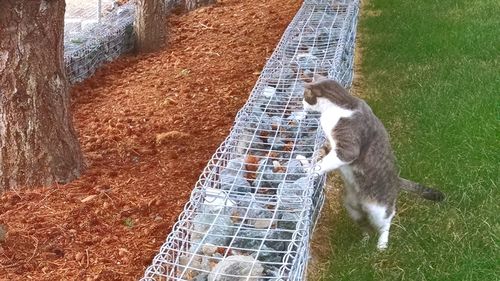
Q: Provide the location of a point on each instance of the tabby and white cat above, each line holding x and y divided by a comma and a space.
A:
358, 145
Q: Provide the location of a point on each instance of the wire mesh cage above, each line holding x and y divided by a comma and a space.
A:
253, 210
95, 32
98, 31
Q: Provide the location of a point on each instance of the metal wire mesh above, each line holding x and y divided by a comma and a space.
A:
253, 210
95, 32
98, 31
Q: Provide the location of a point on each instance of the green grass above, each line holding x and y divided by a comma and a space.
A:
432, 74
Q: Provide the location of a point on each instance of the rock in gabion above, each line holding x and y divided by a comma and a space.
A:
295, 170
276, 143
194, 265
237, 268
288, 220
213, 229
268, 255
307, 61
234, 183
252, 239
209, 249
217, 201
291, 194
235, 167
258, 210
201, 277
269, 92
267, 177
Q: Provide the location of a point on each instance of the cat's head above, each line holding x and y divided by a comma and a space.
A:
322, 92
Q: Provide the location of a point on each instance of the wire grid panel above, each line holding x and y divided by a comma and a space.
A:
95, 32
253, 210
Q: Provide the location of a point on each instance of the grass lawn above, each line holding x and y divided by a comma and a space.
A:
431, 73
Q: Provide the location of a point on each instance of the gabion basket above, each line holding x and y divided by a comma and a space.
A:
89, 43
252, 212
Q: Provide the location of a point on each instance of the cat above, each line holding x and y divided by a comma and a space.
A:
358, 146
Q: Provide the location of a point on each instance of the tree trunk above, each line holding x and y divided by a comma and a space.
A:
149, 25
194, 4
38, 144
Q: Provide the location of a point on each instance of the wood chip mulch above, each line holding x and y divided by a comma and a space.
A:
147, 125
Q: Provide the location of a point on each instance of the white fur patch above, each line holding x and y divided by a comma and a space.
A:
377, 215
329, 163
307, 107
330, 116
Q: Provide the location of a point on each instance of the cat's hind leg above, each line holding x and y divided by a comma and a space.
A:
380, 217
353, 208
361, 219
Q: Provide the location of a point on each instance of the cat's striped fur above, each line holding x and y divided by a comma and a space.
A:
358, 146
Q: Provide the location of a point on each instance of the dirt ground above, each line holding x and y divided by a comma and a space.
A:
147, 125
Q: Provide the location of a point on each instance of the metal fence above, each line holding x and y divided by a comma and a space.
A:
98, 31
251, 214
95, 32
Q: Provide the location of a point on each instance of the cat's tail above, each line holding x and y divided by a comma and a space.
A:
424, 191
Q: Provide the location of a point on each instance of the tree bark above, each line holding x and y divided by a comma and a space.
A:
150, 25
38, 144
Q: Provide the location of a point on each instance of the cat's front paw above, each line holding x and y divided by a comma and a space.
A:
323, 151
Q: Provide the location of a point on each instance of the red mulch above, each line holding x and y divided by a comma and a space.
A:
147, 125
